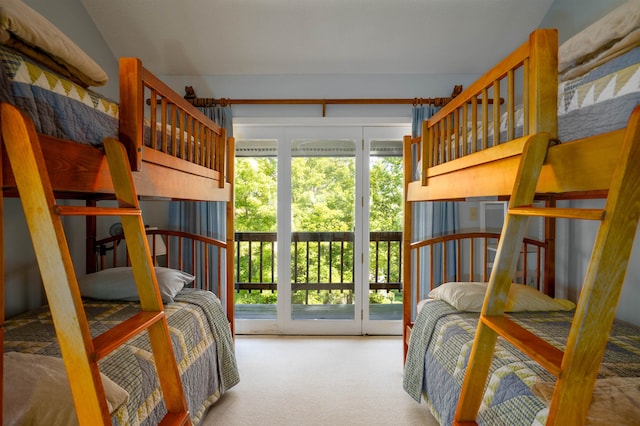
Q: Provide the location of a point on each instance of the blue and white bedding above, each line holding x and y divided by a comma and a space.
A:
439, 348
601, 100
202, 342
57, 106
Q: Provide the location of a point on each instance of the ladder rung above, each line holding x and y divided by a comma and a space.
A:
547, 355
564, 213
96, 211
111, 339
178, 419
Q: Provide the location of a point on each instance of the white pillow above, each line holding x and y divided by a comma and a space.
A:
37, 391
34, 30
119, 284
469, 296
600, 35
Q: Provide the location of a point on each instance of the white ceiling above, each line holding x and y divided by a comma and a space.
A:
209, 37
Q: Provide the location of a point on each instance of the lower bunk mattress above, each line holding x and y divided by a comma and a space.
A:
202, 343
517, 388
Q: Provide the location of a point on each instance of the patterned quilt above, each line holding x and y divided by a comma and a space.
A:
438, 354
600, 100
57, 106
202, 343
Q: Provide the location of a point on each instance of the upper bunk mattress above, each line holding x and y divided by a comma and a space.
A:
57, 106
601, 100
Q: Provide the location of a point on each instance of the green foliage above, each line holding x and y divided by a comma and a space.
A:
380, 297
246, 297
255, 194
258, 260
323, 193
323, 200
321, 297
386, 194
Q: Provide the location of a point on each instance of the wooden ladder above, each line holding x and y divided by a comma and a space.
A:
576, 368
80, 351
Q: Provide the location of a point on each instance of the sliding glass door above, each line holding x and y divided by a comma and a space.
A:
313, 256
382, 215
323, 233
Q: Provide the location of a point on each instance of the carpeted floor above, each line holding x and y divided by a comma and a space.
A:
318, 380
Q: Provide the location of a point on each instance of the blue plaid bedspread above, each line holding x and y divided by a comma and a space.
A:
202, 343
439, 350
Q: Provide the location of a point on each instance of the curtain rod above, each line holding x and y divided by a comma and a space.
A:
190, 95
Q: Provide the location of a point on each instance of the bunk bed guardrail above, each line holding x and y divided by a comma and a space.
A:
173, 126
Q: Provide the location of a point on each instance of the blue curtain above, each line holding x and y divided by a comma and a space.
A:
203, 217
221, 116
431, 218
418, 115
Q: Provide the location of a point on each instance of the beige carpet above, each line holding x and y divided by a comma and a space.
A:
318, 380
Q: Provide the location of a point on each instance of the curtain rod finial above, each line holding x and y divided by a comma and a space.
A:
190, 93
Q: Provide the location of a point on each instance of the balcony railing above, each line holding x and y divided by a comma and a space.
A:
319, 261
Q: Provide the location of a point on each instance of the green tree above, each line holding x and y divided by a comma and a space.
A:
323, 200
386, 194
323, 192
255, 194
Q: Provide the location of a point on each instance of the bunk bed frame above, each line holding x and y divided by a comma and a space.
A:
442, 168
577, 169
188, 158
452, 169
197, 167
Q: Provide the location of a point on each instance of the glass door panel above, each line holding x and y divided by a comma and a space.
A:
385, 230
383, 215
256, 192
324, 290
323, 220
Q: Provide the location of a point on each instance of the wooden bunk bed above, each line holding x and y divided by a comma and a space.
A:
197, 320
175, 153
465, 383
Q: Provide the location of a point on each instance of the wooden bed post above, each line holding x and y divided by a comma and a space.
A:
90, 242
543, 82
543, 117
550, 252
131, 109
427, 151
